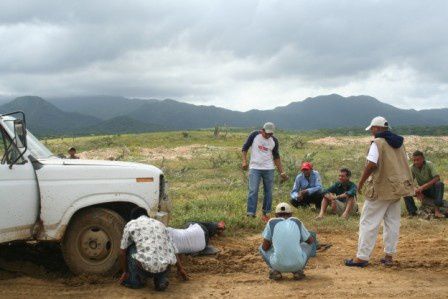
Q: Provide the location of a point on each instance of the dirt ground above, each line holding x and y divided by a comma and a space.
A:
421, 270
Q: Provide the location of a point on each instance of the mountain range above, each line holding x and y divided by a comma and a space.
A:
112, 114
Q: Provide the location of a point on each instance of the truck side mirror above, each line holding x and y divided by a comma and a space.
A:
20, 133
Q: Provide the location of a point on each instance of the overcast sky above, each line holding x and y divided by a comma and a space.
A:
235, 54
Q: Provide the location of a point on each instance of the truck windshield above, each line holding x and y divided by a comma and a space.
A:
36, 148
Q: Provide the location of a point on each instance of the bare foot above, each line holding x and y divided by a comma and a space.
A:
319, 217
345, 216
438, 214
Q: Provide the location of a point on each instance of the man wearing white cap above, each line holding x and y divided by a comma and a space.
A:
264, 157
387, 178
287, 244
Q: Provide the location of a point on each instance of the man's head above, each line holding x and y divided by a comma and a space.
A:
344, 175
283, 210
418, 158
137, 212
377, 125
306, 168
72, 152
268, 130
220, 227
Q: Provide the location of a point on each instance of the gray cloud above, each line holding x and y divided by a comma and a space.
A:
237, 54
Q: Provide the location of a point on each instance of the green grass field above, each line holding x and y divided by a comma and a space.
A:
205, 177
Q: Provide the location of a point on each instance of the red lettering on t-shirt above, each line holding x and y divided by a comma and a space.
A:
262, 148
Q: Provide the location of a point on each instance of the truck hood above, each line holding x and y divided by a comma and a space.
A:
97, 163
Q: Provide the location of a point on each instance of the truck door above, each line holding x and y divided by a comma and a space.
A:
19, 194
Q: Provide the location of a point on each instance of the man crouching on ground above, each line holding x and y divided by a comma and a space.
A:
287, 244
146, 251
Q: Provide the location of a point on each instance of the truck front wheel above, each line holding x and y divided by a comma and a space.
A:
92, 242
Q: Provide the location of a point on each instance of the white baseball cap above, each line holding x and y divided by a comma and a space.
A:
283, 207
269, 128
378, 121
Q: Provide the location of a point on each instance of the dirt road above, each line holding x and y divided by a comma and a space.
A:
238, 271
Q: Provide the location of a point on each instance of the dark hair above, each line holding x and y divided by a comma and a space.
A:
72, 149
137, 212
418, 154
346, 171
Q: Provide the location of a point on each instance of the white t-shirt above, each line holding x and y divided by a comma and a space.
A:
189, 240
373, 154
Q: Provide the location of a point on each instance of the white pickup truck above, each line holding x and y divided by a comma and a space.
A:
82, 204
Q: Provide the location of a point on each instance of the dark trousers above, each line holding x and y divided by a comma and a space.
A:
435, 192
307, 199
138, 276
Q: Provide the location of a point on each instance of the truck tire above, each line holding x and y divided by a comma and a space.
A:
92, 242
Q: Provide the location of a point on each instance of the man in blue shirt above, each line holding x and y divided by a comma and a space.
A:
287, 244
307, 187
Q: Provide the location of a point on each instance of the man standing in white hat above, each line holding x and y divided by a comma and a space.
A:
287, 244
387, 178
264, 157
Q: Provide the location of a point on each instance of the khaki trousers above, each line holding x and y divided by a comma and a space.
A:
373, 213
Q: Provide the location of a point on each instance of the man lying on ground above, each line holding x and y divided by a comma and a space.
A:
287, 244
429, 184
146, 251
341, 196
194, 239
307, 187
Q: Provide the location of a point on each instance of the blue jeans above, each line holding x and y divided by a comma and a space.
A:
306, 248
138, 276
255, 176
435, 192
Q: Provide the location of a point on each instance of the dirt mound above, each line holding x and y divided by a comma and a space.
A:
151, 154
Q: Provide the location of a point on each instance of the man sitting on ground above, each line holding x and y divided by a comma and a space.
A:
307, 187
287, 244
195, 239
340, 196
429, 184
146, 251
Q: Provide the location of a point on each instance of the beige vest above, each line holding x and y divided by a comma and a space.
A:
393, 178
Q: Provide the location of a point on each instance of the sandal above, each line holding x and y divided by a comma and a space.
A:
352, 263
387, 262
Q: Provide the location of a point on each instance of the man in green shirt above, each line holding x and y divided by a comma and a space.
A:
340, 196
429, 184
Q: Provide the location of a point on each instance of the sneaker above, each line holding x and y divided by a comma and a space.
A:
265, 218
299, 275
250, 215
275, 275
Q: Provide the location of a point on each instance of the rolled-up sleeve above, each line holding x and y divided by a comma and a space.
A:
296, 188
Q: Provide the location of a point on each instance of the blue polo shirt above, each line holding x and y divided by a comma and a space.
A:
286, 236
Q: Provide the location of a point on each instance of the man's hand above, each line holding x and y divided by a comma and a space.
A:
359, 188
284, 177
183, 275
419, 190
124, 277
301, 194
244, 165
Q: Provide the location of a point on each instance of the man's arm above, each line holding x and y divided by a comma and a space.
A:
296, 188
428, 184
123, 265
266, 245
350, 193
180, 267
246, 147
368, 170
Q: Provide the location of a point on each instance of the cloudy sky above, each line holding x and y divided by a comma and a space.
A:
234, 54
